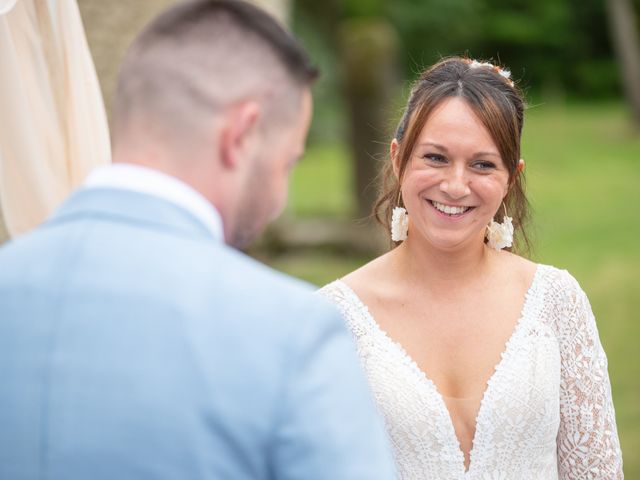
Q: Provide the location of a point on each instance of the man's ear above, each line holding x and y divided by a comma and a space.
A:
237, 130
395, 160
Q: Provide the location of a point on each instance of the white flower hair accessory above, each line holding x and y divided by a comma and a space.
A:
500, 235
503, 72
399, 224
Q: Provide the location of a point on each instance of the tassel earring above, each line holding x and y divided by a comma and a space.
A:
500, 235
399, 223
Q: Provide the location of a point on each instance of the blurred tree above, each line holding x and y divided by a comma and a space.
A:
531, 38
553, 46
434, 28
624, 30
369, 48
365, 45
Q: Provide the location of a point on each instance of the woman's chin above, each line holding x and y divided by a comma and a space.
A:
449, 242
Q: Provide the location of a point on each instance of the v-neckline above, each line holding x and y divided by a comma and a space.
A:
424, 378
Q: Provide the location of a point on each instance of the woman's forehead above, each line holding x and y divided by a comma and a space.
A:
454, 121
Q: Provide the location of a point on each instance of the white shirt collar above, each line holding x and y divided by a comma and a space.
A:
153, 182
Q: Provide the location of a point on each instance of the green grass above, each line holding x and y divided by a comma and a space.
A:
583, 177
321, 183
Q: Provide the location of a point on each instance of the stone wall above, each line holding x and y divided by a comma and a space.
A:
110, 27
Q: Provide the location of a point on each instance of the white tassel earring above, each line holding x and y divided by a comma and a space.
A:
399, 223
500, 235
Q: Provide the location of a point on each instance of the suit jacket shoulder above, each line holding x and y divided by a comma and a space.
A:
134, 344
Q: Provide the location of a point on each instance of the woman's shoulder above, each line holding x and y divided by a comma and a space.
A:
335, 292
555, 291
559, 281
555, 279
350, 292
353, 310
562, 301
516, 268
362, 280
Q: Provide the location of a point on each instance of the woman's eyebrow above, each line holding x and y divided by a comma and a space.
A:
485, 154
444, 149
433, 144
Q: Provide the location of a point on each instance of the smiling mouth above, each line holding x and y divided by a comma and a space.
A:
450, 210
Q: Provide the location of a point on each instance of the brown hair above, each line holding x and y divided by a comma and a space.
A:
499, 105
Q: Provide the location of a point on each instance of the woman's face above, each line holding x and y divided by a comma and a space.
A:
455, 180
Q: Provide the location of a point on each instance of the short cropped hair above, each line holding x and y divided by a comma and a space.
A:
201, 56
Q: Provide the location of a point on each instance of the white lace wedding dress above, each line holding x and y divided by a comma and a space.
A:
546, 413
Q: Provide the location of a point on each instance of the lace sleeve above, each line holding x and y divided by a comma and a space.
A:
588, 445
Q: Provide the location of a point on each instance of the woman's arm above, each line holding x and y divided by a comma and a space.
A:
588, 445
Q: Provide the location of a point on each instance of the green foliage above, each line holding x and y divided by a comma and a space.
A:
434, 28
551, 45
363, 8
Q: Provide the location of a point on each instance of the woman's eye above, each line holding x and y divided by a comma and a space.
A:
434, 157
484, 165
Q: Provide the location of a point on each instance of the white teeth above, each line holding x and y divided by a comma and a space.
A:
449, 209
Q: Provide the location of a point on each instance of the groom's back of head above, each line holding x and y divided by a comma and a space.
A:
200, 57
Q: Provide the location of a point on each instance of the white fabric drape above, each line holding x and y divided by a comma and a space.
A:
53, 126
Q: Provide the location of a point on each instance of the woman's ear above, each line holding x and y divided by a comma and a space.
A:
395, 160
519, 170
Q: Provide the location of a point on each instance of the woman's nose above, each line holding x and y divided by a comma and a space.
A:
455, 184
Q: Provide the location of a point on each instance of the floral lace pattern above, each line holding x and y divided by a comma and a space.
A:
547, 412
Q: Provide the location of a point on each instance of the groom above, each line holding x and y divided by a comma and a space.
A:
135, 342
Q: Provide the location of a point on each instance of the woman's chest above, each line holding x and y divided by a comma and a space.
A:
456, 343
518, 412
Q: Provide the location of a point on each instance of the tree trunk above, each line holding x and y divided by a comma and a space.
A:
369, 49
626, 42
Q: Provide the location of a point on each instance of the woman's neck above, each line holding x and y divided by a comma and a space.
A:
421, 264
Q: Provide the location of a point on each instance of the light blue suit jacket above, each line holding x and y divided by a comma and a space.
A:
133, 345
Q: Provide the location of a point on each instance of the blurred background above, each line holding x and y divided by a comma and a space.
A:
579, 64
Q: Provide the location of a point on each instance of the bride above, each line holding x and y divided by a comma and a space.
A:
484, 364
